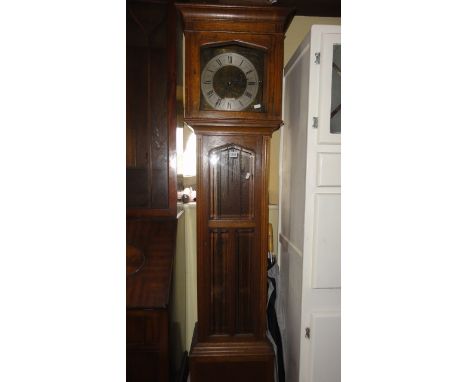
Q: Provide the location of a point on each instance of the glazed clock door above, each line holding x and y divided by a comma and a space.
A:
229, 286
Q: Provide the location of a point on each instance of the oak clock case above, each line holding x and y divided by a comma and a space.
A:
233, 89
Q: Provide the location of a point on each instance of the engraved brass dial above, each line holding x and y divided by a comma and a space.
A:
230, 82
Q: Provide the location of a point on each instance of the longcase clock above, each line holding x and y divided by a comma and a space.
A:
233, 82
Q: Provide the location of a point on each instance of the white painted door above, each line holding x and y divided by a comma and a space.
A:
310, 210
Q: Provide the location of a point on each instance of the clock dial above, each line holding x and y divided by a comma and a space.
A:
230, 82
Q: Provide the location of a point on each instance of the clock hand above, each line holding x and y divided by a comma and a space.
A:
234, 82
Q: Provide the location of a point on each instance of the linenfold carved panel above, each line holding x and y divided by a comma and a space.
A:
232, 255
244, 252
219, 320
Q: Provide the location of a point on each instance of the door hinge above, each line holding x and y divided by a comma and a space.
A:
307, 333
315, 122
317, 58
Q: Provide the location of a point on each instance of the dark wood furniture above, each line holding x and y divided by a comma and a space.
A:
150, 254
232, 181
151, 109
151, 185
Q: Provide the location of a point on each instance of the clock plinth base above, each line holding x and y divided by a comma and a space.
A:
251, 361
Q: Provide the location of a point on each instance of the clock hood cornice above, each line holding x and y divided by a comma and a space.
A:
258, 19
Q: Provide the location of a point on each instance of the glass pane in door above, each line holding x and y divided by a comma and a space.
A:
335, 113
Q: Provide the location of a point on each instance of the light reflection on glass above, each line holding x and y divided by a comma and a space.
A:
214, 159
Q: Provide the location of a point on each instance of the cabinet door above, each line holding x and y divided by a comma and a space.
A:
321, 286
310, 232
229, 205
